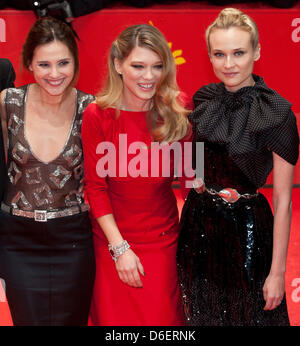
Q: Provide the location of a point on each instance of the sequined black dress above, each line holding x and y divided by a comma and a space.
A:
225, 249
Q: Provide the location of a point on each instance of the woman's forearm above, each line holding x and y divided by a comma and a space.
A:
281, 234
110, 229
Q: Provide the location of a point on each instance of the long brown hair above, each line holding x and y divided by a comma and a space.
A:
46, 30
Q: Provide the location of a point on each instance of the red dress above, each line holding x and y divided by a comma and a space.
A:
145, 210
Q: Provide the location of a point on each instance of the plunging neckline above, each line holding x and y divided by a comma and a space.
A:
68, 137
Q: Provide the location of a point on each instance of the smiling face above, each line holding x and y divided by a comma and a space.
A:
53, 67
232, 56
141, 72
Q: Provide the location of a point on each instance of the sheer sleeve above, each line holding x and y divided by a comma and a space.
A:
284, 139
96, 186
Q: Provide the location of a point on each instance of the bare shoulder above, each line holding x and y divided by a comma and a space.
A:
2, 95
2, 101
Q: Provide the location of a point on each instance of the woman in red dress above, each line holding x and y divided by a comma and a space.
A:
133, 207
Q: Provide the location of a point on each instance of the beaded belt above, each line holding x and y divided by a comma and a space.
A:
44, 215
228, 194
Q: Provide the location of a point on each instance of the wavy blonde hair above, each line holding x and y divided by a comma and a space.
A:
232, 17
166, 105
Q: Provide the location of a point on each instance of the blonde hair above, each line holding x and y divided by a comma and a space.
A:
165, 105
232, 17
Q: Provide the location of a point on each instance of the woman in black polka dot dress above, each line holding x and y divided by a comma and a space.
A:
232, 251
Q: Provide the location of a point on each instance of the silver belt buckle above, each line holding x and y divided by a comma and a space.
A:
229, 195
40, 215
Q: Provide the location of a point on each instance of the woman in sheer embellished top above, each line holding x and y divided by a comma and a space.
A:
46, 249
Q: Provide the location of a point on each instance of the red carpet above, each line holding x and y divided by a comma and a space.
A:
292, 273
183, 25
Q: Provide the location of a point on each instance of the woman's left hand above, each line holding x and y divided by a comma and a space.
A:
273, 291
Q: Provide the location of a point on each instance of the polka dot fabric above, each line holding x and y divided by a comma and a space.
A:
252, 122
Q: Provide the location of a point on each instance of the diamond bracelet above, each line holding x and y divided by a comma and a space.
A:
118, 250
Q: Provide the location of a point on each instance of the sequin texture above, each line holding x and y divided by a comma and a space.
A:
225, 251
34, 184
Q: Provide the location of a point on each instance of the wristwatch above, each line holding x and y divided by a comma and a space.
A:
118, 250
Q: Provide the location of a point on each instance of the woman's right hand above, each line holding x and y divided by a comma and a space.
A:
129, 269
128, 264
